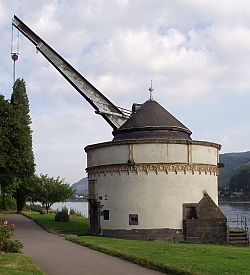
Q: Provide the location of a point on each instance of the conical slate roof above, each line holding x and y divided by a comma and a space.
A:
152, 121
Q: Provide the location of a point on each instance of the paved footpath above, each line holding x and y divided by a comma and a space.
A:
56, 256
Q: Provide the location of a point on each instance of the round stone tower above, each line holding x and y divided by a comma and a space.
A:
143, 183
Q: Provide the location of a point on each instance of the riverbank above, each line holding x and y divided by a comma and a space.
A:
233, 200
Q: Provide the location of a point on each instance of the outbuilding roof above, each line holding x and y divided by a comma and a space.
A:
152, 121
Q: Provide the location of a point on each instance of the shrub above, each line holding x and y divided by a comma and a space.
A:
7, 245
64, 209
13, 246
75, 212
70, 211
35, 207
10, 203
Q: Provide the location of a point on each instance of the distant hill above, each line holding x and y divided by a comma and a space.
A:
234, 162
81, 186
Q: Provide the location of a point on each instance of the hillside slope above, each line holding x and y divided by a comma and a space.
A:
234, 162
81, 186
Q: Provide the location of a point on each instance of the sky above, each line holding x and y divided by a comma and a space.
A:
197, 53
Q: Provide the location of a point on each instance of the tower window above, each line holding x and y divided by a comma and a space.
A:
106, 215
133, 219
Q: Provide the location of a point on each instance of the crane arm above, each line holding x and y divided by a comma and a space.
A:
99, 102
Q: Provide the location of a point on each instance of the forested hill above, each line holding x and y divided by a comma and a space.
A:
234, 162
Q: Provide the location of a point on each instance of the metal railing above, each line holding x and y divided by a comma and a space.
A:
237, 221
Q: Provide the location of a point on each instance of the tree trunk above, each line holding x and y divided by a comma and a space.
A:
20, 201
4, 207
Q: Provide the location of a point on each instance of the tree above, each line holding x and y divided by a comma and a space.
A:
4, 142
240, 181
9, 144
49, 190
24, 160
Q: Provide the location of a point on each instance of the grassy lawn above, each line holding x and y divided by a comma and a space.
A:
170, 258
12, 263
77, 225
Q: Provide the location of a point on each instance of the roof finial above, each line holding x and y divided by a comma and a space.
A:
151, 91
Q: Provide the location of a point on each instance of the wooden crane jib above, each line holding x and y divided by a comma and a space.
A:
112, 114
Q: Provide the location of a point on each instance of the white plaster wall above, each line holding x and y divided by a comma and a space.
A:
108, 155
152, 153
160, 153
177, 153
204, 154
156, 198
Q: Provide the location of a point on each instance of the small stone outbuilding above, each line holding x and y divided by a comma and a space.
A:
204, 222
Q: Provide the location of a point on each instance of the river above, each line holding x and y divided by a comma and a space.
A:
236, 211
230, 210
76, 206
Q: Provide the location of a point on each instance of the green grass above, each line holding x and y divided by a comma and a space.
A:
170, 258
12, 263
77, 225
